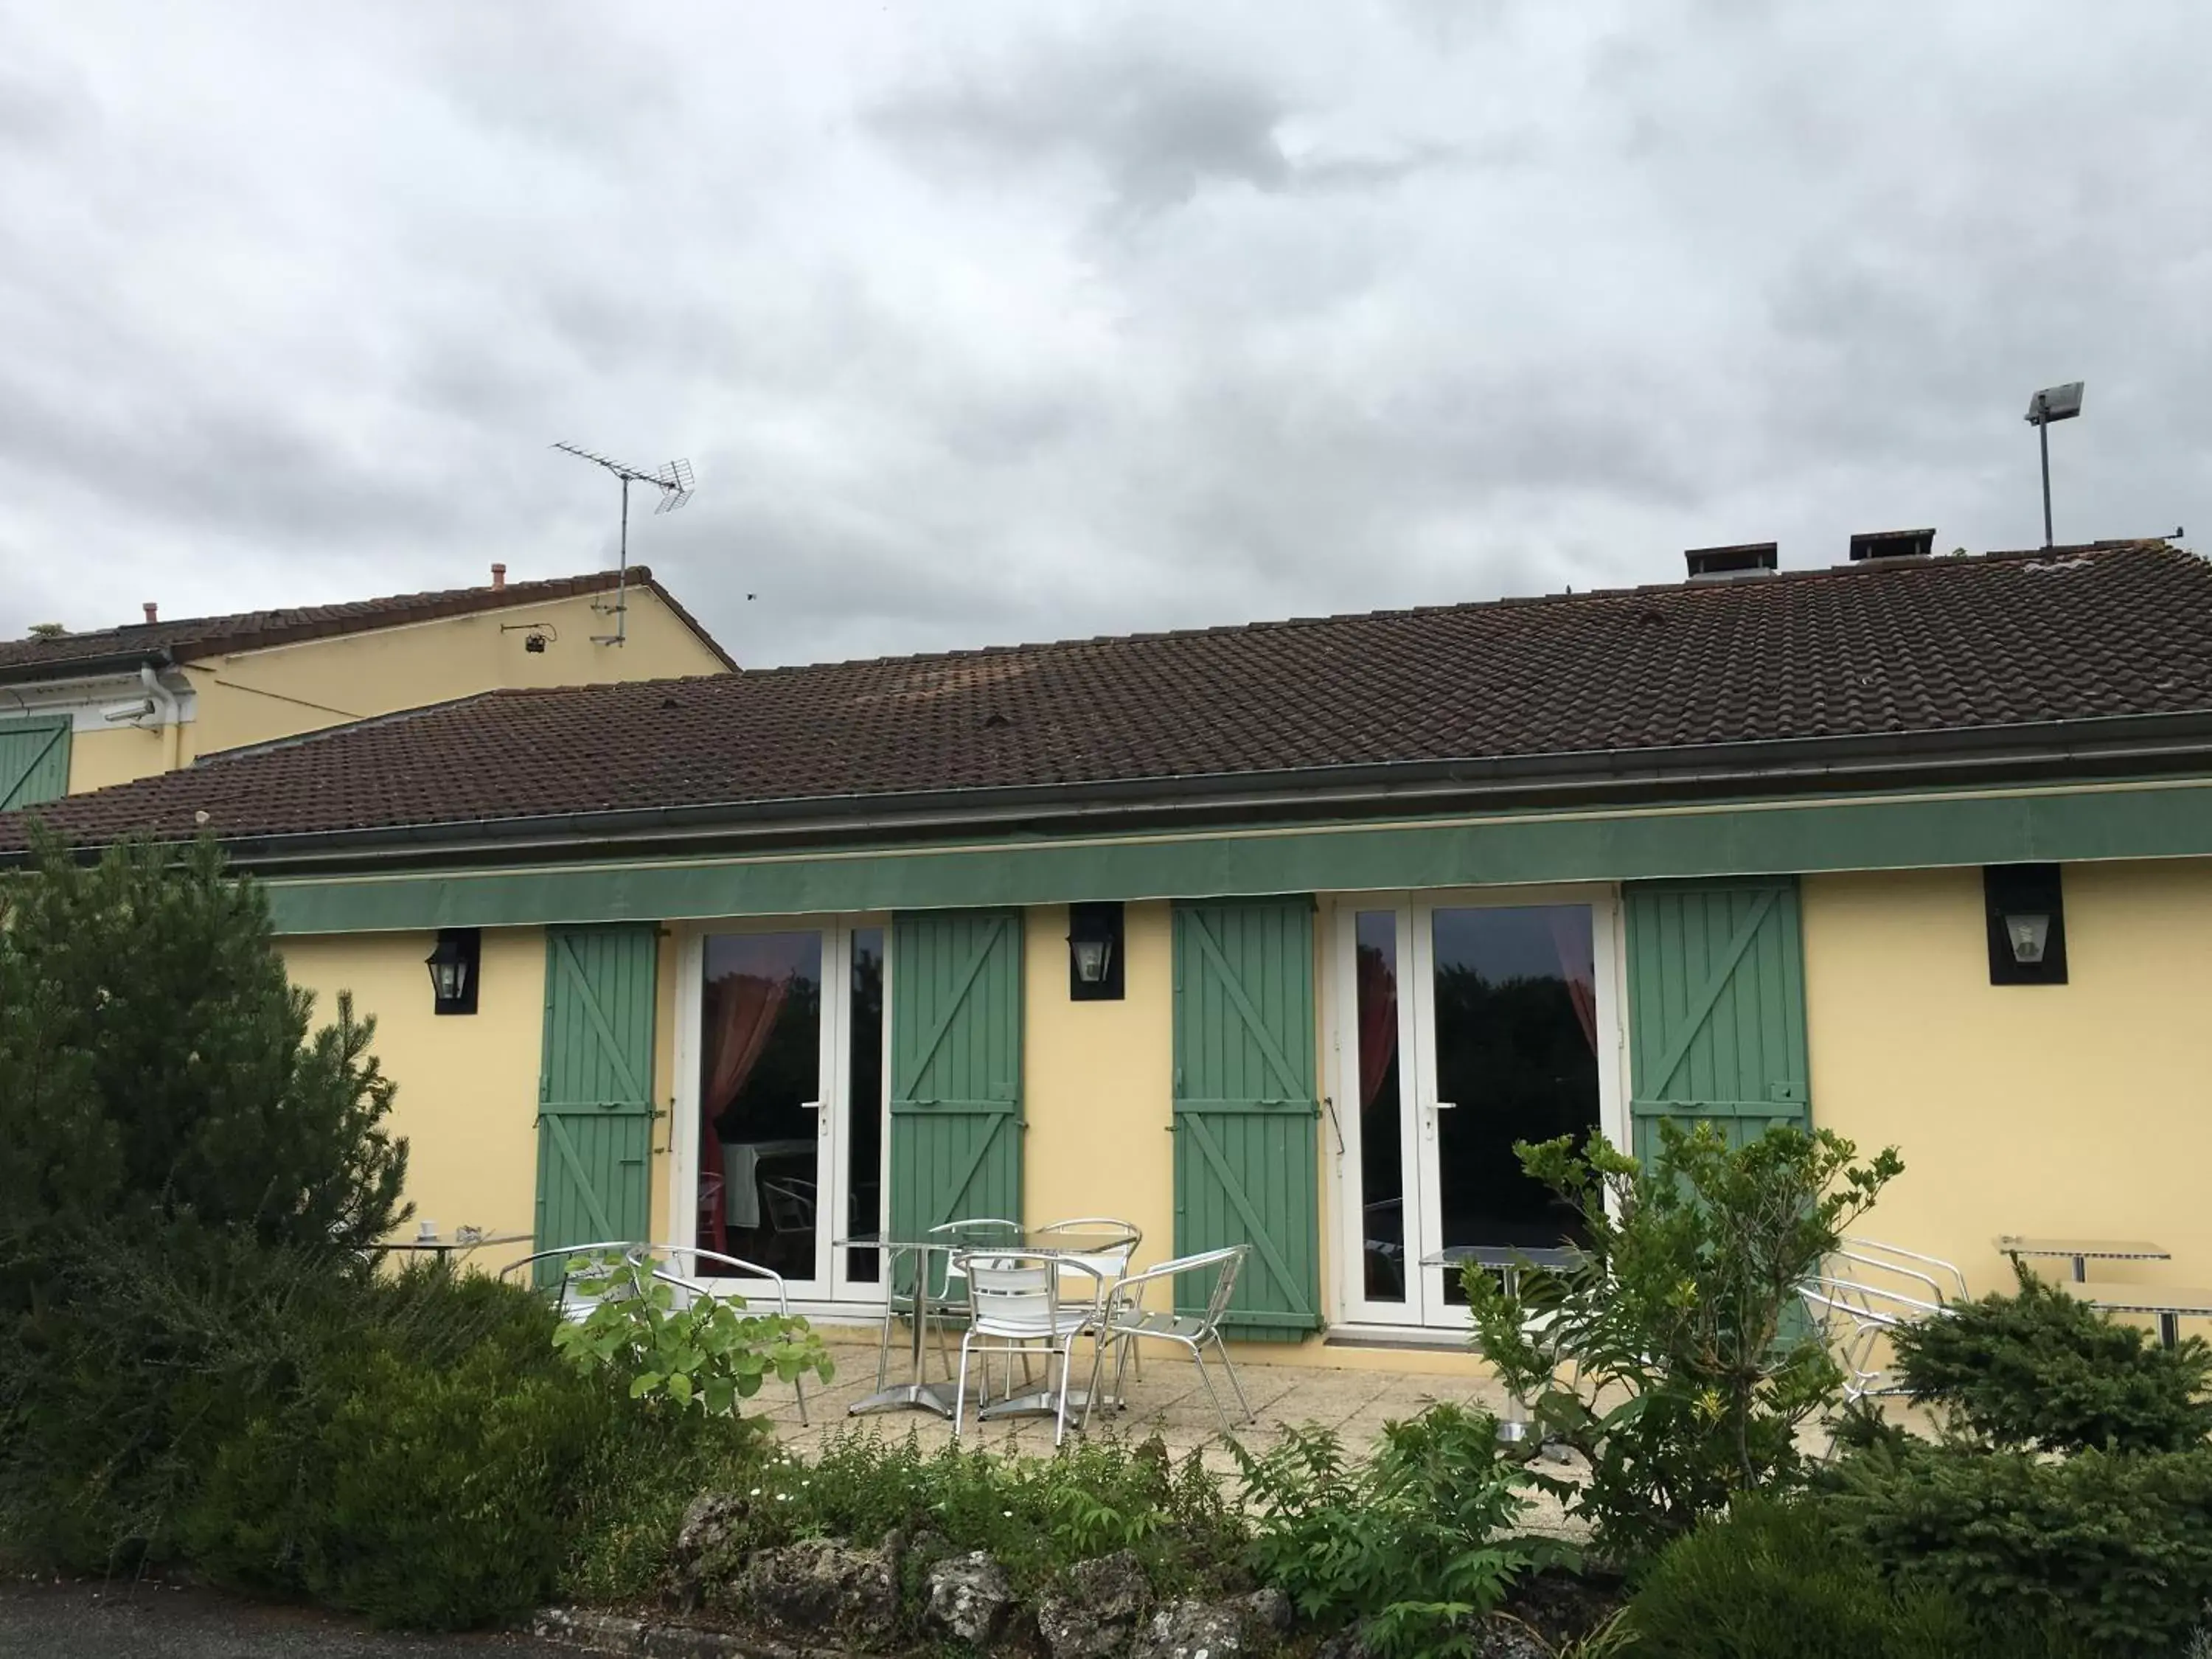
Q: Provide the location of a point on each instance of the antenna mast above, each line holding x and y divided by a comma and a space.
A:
673, 481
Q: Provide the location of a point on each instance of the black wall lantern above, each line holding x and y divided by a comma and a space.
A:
452, 967
2028, 924
1094, 953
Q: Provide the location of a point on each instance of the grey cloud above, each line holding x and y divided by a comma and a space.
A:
1156, 128
983, 323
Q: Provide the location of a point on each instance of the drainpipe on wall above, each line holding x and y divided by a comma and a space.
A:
165, 704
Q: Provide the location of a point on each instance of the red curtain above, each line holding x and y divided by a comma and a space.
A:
739, 1014
1571, 938
1378, 1021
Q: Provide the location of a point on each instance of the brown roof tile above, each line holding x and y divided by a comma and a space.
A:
191, 637
1929, 646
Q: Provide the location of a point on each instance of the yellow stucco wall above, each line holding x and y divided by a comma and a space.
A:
2079, 1108
119, 755
468, 1085
1098, 1080
262, 695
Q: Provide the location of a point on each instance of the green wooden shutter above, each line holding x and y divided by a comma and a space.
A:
35, 761
595, 1086
1246, 1116
956, 996
1716, 1006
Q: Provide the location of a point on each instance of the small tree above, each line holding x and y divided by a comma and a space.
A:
1686, 1372
157, 1072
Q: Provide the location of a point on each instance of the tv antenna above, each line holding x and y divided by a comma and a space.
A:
673, 481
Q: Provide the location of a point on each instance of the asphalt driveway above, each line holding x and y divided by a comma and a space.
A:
155, 1621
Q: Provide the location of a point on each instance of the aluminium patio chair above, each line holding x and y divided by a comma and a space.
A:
1017, 1303
1126, 1321
1109, 1264
1856, 1318
1873, 1260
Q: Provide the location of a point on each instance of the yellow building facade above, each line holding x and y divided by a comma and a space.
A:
2079, 1109
283, 674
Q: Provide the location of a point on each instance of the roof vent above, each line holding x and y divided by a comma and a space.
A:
1725, 564
1893, 545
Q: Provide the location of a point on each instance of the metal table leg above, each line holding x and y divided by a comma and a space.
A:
916, 1393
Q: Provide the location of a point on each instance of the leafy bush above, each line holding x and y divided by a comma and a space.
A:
2041, 1371
1771, 1580
708, 1352
1688, 1383
1414, 1546
2116, 1548
1035, 1515
406, 1446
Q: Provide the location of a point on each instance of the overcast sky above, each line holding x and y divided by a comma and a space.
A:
986, 323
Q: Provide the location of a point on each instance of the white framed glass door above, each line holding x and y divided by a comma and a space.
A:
1475, 1021
779, 1124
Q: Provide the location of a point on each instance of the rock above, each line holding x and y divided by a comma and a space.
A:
1193, 1630
1504, 1637
1094, 1610
1267, 1609
816, 1586
706, 1524
968, 1598
704, 1552
1344, 1644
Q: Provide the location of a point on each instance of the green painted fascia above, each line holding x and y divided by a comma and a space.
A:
2170, 818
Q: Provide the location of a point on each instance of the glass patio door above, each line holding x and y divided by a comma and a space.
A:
1475, 1024
788, 1153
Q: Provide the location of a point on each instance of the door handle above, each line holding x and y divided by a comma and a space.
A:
811, 1105
1447, 1106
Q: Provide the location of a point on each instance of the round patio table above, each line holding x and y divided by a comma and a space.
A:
917, 1393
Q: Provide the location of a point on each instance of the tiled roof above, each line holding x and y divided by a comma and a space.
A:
193, 637
1890, 647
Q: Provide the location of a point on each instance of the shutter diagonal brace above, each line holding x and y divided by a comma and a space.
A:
1708, 997
952, 1007
1269, 1050
1202, 1138
13, 786
574, 972
557, 1131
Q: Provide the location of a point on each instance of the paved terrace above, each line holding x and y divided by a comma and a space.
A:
1168, 1402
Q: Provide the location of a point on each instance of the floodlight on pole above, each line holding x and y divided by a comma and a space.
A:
673, 481
2053, 403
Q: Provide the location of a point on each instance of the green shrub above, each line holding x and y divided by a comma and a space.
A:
408, 1446
1770, 1580
1688, 1380
2116, 1548
159, 1072
709, 1353
632, 1493
1412, 1546
2041, 1371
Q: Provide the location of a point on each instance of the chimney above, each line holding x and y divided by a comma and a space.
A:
1893, 545
499, 576
1728, 564
150, 617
